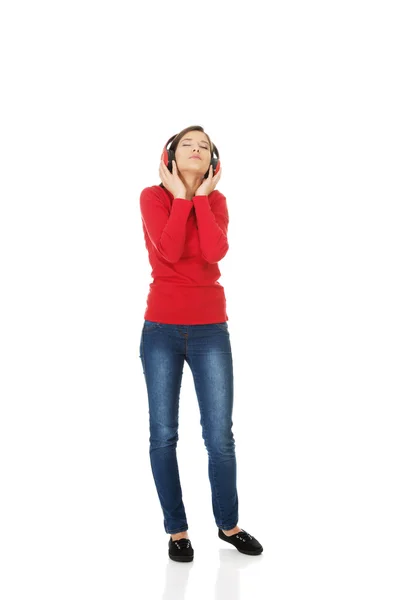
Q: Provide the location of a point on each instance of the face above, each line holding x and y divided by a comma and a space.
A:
193, 143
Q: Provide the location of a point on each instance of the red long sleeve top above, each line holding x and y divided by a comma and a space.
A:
185, 240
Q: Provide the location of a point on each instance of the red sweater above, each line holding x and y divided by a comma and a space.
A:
185, 240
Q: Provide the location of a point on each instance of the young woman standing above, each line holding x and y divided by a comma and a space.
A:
185, 222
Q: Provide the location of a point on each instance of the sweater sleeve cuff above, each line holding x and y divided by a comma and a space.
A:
182, 204
201, 202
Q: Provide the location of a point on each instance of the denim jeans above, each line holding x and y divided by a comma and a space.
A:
207, 350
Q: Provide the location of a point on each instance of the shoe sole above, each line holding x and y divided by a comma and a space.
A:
181, 558
255, 553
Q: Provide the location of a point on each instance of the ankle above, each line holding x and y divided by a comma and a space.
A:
179, 536
232, 531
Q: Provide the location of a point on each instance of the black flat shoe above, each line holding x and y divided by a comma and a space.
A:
243, 541
181, 550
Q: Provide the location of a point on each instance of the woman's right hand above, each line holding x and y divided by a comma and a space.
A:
172, 181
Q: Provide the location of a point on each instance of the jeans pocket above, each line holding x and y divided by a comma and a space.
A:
223, 326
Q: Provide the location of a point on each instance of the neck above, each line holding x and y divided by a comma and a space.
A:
191, 182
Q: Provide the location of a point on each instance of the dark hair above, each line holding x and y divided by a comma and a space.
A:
181, 134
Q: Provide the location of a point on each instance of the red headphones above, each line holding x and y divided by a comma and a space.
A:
168, 155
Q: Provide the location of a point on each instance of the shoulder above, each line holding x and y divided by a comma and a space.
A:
153, 192
217, 194
217, 197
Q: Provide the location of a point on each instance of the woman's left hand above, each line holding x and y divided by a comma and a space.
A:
208, 185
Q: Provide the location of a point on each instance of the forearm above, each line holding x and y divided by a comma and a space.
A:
213, 239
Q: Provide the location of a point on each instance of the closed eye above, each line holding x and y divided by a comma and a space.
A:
204, 147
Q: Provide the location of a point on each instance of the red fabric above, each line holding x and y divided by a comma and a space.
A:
185, 240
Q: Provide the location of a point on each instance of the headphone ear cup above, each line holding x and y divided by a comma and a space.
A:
171, 157
168, 155
165, 156
215, 165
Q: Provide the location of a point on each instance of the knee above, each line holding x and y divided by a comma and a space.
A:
221, 446
162, 436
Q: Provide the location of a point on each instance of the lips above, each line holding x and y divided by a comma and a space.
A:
198, 157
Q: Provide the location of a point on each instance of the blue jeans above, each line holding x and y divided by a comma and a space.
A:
207, 350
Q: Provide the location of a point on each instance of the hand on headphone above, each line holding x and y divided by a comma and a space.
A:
208, 185
172, 181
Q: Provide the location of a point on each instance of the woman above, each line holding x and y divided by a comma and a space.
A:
185, 221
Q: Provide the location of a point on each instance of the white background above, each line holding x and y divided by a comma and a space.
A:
302, 101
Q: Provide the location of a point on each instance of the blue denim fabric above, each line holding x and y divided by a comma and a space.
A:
207, 350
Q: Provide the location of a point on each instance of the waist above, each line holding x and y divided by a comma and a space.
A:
190, 304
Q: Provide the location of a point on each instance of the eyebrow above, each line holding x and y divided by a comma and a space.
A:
204, 141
